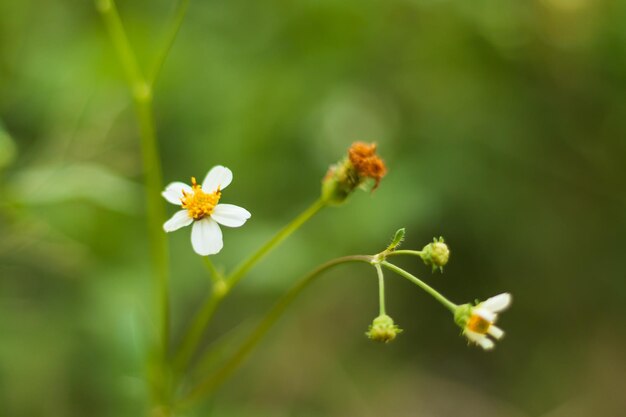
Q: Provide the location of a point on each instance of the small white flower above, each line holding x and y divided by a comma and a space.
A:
200, 206
481, 319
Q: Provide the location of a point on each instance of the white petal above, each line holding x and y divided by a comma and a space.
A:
485, 314
206, 237
486, 343
480, 339
473, 336
174, 192
496, 332
218, 177
230, 215
179, 219
498, 303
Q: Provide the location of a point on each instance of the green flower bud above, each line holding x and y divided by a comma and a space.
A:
383, 329
436, 254
340, 181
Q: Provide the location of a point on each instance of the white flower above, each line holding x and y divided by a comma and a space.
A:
481, 319
200, 206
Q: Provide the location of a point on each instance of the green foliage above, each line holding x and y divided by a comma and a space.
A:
502, 127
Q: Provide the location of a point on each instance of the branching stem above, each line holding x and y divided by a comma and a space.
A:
216, 379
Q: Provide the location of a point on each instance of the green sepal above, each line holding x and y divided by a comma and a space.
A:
436, 254
462, 314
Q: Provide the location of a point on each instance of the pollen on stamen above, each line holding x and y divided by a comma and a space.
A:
198, 203
478, 324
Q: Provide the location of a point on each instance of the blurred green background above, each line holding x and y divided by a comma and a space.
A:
503, 125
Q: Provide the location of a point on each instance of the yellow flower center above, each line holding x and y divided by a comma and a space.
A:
198, 203
477, 324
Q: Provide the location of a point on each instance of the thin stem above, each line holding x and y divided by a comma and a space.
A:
194, 334
155, 212
215, 380
113, 23
176, 24
220, 348
430, 290
405, 252
284, 233
381, 288
216, 277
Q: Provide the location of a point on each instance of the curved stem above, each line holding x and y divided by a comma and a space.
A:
177, 22
194, 334
213, 381
430, 290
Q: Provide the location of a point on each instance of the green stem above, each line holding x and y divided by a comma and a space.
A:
177, 22
405, 252
430, 290
245, 266
215, 380
216, 277
194, 334
113, 23
381, 288
155, 212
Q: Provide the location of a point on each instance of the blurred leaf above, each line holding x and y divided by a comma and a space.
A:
8, 150
90, 182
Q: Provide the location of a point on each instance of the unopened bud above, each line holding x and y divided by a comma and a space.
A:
436, 254
383, 329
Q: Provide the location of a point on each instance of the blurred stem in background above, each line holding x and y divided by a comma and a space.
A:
177, 22
141, 91
193, 336
161, 377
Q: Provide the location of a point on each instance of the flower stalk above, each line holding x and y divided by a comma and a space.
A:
430, 290
141, 92
361, 168
142, 98
216, 276
209, 384
193, 336
283, 234
381, 289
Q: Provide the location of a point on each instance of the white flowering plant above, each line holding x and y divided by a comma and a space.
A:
173, 393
